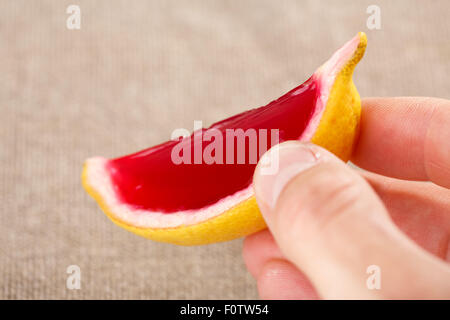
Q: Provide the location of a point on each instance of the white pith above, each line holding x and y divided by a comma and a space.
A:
98, 177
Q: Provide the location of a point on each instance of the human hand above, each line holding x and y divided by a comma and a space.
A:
328, 222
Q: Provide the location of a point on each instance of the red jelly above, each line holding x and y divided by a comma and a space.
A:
154, 180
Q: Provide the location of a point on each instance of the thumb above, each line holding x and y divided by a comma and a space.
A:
328, 221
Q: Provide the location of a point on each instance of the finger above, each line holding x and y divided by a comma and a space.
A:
417, 208
281, 280
267, 264
328, 221
259, 248
420, 209
406, 138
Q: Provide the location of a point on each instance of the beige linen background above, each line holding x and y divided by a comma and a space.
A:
136, 71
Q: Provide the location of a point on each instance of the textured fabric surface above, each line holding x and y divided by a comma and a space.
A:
136, 71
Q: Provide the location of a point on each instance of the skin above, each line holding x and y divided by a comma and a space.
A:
330, 222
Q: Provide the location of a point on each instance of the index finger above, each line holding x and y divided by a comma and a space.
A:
405, 138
